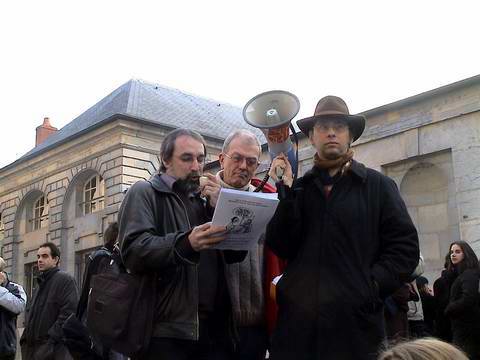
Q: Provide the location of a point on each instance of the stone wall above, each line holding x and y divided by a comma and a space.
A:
121, 152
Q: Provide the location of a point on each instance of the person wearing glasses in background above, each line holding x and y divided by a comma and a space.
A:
254, 312
165, 231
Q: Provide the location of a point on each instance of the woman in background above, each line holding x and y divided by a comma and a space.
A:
463, 308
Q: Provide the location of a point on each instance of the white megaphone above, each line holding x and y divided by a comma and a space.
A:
272, 112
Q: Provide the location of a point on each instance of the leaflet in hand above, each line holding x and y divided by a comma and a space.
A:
245, 214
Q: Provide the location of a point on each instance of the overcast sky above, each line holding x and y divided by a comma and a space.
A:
58, 58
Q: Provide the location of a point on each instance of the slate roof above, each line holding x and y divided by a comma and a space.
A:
156, 104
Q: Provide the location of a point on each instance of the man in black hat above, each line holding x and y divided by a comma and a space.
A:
348, 241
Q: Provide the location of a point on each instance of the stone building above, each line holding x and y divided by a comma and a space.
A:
69, 187
430, 145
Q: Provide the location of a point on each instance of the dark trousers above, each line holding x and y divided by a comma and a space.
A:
417, 329
177, 349
7, 357
214, 344
253, 343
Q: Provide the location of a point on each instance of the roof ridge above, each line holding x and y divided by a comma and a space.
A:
155, 103
166, 87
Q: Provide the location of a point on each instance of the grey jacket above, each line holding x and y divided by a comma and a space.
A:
245, 282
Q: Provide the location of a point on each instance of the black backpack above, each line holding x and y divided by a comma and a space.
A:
121, 307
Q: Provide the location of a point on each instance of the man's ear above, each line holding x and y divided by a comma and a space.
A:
166, 163
58, 260
221, 159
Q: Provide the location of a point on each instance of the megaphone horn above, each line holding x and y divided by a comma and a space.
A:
272, 112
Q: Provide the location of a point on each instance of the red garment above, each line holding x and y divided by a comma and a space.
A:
274, 266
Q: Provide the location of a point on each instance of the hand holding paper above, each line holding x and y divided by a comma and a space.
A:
245, 215
205, 236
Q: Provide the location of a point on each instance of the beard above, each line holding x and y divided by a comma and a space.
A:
189, 184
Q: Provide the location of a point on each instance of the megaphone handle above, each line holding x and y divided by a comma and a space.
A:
279, 172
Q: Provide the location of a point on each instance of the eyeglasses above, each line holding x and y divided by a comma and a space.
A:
325, 126
238, 159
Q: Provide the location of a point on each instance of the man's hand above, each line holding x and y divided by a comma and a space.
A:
210, 188
3, 278
281, 162
206, 235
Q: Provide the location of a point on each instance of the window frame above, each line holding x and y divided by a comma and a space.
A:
40, 213
93, 195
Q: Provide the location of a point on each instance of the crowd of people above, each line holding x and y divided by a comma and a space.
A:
341, 247
449, 312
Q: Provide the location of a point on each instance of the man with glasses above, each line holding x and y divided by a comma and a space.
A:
253, 311
348, 240
164, 229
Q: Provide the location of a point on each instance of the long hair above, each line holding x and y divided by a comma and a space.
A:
423, 349
470, 260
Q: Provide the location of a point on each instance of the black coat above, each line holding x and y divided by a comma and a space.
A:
441, 291
77, 337
345, 254
153, 230
464, 312
55, 298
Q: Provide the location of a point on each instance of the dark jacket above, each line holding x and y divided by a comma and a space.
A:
345, 254
463, 311
441, 291
55, 298
153, 227
97, 262
77, 338
12, 303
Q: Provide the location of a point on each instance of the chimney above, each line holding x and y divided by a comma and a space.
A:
44, 131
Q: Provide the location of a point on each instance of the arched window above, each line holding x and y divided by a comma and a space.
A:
40, 213
93, 195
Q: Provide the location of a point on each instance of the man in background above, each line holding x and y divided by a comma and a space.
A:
12, 303
55, 298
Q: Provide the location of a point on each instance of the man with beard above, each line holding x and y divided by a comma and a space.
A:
164, 230
348, 241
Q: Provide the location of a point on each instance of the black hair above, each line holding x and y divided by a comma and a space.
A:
54, 250
421, 281
168, 145
470, 260
110, 235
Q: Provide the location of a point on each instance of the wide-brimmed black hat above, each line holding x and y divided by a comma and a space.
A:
334, 107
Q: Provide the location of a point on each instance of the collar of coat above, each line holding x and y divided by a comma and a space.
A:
45, 275
358, 170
